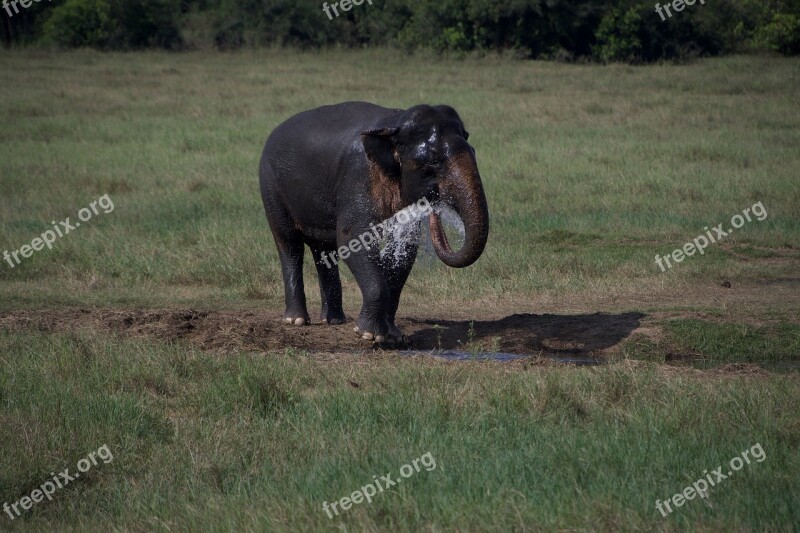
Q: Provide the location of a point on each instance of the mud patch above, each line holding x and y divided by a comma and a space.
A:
571, 336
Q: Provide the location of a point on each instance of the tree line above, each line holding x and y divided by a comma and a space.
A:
601, 30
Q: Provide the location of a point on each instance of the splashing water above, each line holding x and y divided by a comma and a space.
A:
401, 238
396, 243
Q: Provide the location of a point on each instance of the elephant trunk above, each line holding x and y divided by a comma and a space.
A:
461, 189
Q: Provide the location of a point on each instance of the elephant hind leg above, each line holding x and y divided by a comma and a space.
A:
290, 250
330, 286
291, 255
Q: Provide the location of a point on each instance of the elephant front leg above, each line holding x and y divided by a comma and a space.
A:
397, 271
373, 320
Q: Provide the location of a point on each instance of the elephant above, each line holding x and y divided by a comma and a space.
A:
329, 174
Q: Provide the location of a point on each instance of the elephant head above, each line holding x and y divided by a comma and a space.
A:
423, 152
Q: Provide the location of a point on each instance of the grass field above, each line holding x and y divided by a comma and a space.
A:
155, 328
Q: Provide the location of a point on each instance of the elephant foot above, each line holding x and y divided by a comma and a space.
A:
298, 319
368, 336
333, 318
395, 332
393, 335
371, 329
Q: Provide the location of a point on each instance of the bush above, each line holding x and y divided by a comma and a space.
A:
121, 24
782, 34
617, 37
607, 30
79, 23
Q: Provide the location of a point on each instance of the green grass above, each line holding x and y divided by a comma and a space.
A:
590, 171
246, 441
592, 196
708, 343
739, 342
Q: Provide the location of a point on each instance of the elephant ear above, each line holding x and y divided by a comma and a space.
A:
384, 169
379, 145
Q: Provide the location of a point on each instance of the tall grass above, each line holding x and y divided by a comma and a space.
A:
253, 442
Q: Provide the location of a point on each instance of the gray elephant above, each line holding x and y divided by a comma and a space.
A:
331, 175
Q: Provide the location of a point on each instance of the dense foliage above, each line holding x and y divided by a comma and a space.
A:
604, 30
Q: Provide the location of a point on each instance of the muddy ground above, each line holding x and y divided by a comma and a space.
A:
523, 333
584, 328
